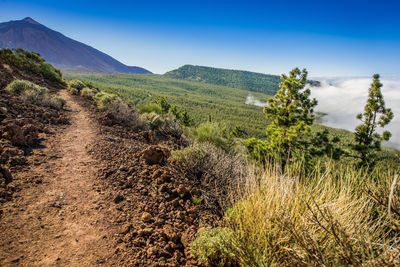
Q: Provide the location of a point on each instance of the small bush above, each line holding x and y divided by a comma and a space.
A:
34, 94
165, 124
120, 112
117, 110
213, 133
75, 86
57, 102
257, 150
88, 93
31, 62
18, 86
151, 107
212, 248
103, 100
51, 73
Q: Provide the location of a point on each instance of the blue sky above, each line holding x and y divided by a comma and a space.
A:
329, 38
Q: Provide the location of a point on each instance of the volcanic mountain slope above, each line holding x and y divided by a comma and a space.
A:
59, 50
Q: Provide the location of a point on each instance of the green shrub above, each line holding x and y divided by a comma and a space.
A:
75, 86
164, 124
88, 93
211, 132
257, 150
120, 112
213, 248
31, 62
151, 107
35, 94
103, 100
51, 73
17, 87
57, 102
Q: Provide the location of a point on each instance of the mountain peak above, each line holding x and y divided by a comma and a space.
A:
30, 20
59, 50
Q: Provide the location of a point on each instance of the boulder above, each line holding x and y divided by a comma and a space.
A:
15, 134
6, 174
155, 154
21, 136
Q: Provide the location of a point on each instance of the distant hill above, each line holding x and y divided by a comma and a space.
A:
247, 80
59, 50
252, 81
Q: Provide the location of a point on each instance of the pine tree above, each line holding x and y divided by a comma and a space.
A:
291, 114
367, 140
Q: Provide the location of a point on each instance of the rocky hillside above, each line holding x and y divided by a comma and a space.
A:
59, 50
81, 185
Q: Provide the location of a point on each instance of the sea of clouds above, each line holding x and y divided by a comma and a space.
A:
342, 99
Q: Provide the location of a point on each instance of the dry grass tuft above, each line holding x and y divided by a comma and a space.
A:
328, 219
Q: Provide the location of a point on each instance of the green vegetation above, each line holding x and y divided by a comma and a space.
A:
223, 104
17, 87
30, 62
291, 114
35, 94
75, 86
212, 132
161, 106
251, 81
211, 248
290, 135
367, 140
340, 220
105, 100
88, 93
331, 212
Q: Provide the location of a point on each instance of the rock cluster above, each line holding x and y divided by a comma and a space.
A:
158, 216
21, 126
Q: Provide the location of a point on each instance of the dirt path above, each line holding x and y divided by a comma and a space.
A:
61, 217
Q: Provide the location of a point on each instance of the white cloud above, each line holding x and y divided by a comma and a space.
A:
343, 99
251, 100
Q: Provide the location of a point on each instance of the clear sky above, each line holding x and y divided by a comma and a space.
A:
329, 38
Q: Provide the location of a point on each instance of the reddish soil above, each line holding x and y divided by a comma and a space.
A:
63, 217
78, 188
97, 193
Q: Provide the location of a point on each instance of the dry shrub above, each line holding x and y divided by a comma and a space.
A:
216, 171
120, 112
164, 124
35, 94
325, 220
